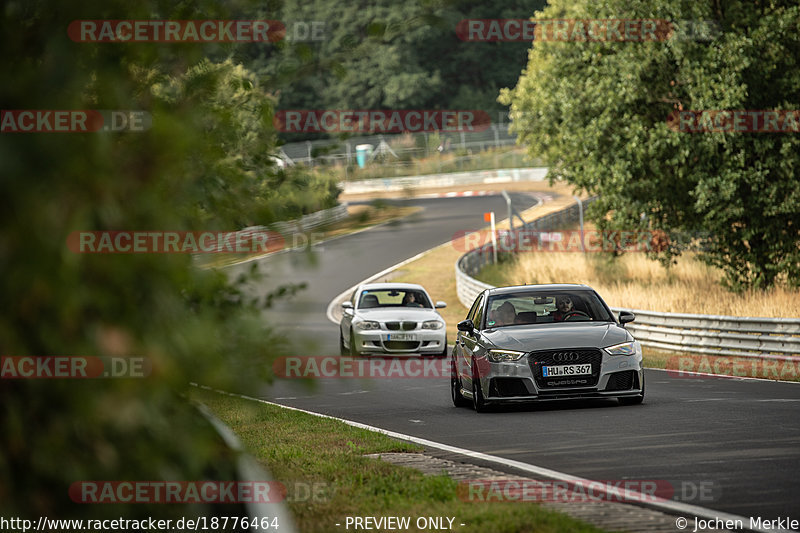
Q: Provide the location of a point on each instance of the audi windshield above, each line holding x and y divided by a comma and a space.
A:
527, 308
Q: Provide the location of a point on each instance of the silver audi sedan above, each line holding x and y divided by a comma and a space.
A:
544, 342
392, 318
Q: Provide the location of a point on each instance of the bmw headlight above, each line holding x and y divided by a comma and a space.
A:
626, 348
501, 356
367, 324
432, 324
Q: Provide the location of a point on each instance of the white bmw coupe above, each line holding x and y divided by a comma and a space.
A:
392, 318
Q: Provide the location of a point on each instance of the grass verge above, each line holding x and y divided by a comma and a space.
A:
302, 450
740, 367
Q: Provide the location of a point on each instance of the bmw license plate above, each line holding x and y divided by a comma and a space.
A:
401, 337
566, 370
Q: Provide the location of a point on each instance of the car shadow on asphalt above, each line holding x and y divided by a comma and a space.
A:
557, 405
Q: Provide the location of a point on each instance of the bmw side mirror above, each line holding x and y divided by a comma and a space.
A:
466, 326
440, 305
626, 316
347, 307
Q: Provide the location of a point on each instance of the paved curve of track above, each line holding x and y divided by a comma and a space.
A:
725, 444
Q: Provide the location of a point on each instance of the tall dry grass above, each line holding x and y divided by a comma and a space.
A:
635, 281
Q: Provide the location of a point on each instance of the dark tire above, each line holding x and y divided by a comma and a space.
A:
353, 350
634, 400
444, 351
343, 350
455, 387
478, 403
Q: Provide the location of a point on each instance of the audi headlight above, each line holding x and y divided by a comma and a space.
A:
432, 324
626, 348
367, 324
500, 356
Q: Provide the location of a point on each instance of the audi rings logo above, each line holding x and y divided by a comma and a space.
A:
563, 357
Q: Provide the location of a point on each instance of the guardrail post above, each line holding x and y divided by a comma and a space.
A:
580, 217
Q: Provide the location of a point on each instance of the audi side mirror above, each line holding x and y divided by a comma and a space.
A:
626, 316
440, 305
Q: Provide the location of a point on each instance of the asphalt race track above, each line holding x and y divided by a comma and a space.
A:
725, 444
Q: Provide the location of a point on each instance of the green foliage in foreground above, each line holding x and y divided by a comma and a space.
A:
304, 449
597, 111
203, 165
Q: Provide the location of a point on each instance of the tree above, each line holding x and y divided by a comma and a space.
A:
598, 111
202, 165
389, 55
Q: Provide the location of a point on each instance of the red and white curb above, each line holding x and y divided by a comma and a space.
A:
458, 194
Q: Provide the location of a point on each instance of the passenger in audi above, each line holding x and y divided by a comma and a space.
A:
506, 314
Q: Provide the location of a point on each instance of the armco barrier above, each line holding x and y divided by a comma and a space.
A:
311, 221
452, 179
773, 338
307, 223
248, 469
716, 335
290, 228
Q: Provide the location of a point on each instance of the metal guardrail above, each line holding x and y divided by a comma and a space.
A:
311, 221
772, 338
248, 469
448, 179
717, 335
287, 228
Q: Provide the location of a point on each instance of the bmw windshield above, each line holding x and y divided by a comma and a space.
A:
383, 298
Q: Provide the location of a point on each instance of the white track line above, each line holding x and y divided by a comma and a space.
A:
725, 376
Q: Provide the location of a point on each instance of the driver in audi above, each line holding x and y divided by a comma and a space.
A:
564, 308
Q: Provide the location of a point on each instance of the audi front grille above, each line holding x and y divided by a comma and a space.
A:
575, 356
